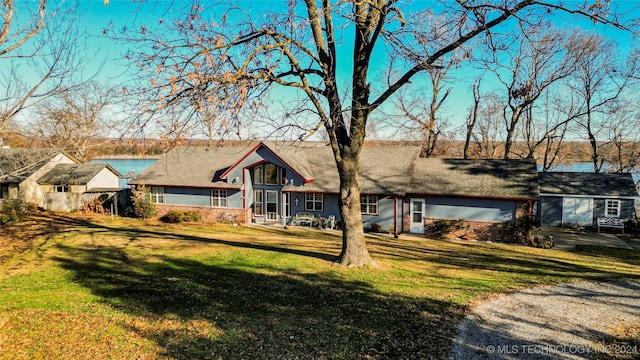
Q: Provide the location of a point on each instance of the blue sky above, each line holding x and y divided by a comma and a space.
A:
95, 16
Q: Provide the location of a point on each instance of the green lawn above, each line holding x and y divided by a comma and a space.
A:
90, 287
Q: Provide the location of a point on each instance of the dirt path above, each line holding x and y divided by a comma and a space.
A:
565, 321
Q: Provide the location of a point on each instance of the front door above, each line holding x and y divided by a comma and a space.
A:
271, 204
577, 211
416, 209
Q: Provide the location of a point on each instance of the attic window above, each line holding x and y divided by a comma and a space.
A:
72, 169
270, 174
257, 174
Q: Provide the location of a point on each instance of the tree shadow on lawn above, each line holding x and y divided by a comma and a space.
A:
283, 314
534, 265
92, 228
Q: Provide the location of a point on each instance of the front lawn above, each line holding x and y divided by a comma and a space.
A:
91, 287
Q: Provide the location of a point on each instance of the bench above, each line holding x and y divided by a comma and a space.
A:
304, 218
610, 222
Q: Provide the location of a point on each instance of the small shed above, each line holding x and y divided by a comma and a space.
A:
579, 199
68, 187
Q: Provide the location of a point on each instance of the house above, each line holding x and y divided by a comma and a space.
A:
20, 170
268, 182
479, 191
68, 187
579, 199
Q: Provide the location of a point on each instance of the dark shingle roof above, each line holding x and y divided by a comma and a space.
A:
295, 155
582, 183
18, 164
74, 174
508, 179
383, 169
196, 166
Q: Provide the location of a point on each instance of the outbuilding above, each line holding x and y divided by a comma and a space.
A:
579, 199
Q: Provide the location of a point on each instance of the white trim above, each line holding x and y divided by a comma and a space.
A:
591, 196
619, 208
271, 215
313, 202
156, 196
582, 218
417, 227
369, 203
255, 202
220, 198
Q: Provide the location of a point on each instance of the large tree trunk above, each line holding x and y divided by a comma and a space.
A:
354, 248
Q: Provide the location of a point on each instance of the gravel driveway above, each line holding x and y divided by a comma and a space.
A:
563, 321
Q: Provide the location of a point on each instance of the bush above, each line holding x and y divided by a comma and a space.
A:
519, 232
13, 211
540, 241
177, 216
439, 229
376, 228
142, 207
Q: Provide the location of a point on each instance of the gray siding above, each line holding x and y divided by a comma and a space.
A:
384, 217
187, 196
627, 210
234, 199
385, 214
470, 209
330, 205
199, 197
550, 210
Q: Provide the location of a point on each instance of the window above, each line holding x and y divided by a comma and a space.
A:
313, 202
157, 195
257, 175
612, 208
287, 207
61, 188
369, 204
272, 204
258, 203
283, 176
270, 174
219, 198
4, 191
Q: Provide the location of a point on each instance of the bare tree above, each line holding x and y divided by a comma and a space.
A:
38, 53
472, 118
554, 130
75, 120
488, 135
526, 70
624, 135
298, 48
419, 116
597, 84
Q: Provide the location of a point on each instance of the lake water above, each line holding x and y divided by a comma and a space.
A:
128, 167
